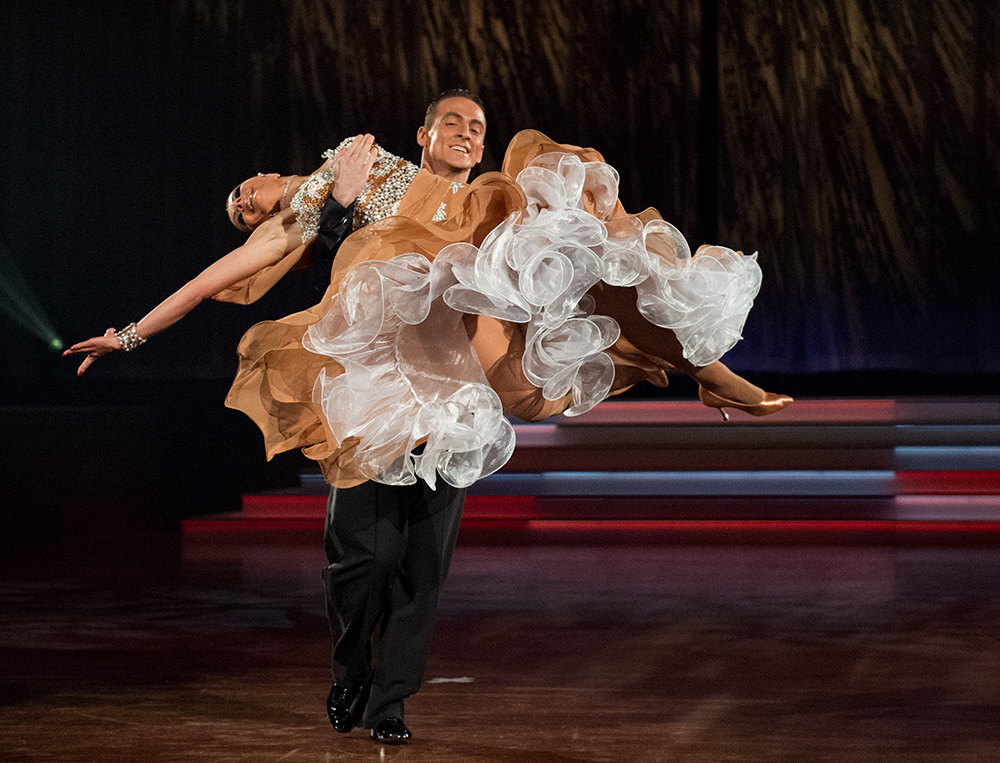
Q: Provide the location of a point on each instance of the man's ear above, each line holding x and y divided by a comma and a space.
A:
421, 136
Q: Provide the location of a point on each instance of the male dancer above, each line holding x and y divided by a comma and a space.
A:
389, 547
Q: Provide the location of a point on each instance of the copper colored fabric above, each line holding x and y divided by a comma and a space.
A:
274, 384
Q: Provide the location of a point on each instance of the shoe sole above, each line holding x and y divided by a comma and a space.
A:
390, 741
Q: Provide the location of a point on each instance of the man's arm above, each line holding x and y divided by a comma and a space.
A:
336, 219
335, 224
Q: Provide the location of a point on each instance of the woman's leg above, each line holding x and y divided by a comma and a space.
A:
499, 345
661, 343
644, 351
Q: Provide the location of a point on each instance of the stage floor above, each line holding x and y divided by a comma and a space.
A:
216, 649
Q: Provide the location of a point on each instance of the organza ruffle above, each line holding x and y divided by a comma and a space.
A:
410, 376
434, 330
409, 379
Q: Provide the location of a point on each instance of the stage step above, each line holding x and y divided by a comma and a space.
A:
635, 465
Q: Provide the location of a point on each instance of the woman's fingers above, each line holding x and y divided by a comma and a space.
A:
94, 348
94, 343
86, 364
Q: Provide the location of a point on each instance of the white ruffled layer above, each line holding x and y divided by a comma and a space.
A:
410, 374
410, 377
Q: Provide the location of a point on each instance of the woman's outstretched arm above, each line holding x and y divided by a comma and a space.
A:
274, 239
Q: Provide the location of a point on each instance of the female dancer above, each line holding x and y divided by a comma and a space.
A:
259, 205
528, 292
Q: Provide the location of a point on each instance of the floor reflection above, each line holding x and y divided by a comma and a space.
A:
217, 649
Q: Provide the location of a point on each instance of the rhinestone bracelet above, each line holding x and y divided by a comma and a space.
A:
129, 337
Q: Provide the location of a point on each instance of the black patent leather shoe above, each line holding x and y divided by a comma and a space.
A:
391, 731
340, 708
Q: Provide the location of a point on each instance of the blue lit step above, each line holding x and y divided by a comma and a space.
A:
846, 483
799, 483
875, 482
970, 458
832, 447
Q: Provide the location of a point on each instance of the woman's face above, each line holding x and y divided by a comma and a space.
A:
254, 200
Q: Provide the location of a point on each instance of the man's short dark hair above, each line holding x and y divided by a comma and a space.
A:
456, 93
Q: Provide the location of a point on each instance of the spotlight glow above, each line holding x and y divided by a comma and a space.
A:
20, 304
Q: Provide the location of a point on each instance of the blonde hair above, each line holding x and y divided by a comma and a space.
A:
230, 201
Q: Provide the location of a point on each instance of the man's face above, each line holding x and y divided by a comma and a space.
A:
454, 141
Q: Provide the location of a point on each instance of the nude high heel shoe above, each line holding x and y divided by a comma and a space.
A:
771, 403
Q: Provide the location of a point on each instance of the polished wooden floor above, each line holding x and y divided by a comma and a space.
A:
215, 648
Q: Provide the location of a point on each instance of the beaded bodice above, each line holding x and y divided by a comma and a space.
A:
308, 202
388, 180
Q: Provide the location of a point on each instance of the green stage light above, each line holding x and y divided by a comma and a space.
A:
19, 302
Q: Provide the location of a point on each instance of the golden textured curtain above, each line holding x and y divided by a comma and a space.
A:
854, 143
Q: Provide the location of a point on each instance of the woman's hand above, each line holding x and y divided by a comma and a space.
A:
94, 348
351, 167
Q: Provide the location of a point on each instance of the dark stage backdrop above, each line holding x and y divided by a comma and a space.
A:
853, 143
